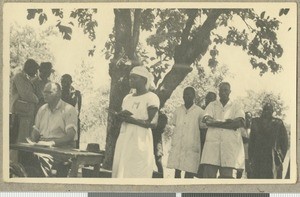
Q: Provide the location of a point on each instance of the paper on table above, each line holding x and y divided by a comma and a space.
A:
40, 143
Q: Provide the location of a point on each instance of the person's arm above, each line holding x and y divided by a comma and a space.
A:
252, 140
232, 124
283, 139
35, 135
23, 86
69, 137
79, 101
149, 123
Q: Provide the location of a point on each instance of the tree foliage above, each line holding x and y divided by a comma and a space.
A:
254, 102
257, 37
26, 43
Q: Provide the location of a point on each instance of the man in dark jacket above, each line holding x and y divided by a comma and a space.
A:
268, 145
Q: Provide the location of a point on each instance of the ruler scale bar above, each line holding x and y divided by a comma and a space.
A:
132, 194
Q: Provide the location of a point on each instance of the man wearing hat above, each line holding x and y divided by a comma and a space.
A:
41, 80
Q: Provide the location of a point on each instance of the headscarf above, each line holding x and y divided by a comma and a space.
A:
143, 71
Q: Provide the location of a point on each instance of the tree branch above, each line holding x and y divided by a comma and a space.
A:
249, 26
136, 29
185, 54
122, 29
192, 14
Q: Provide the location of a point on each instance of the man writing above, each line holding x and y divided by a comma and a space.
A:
223, 149
55, 125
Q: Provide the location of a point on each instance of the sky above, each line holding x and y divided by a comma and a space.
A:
69, 54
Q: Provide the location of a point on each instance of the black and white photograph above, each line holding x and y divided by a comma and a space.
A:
150, 93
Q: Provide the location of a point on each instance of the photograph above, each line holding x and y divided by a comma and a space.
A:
185, 93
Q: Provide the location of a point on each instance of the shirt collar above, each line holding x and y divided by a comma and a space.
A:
229, 103
190, 109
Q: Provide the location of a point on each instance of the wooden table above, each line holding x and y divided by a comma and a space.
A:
78, 157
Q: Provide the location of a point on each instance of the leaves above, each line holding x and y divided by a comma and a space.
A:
262, 14
284, 11
31, 13
147, 19
58, 12
85, 20
42, 18
168, 31
65, 30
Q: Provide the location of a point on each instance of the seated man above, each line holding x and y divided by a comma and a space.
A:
55, 125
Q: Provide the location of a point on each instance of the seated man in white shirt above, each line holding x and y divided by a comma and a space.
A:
55, 125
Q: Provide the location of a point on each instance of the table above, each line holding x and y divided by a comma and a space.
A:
78, 157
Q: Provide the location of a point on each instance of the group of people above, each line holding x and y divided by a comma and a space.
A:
216, 141
47, 113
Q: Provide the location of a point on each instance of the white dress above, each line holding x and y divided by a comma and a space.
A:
134, 157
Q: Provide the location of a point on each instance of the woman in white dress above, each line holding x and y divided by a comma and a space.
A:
134, 157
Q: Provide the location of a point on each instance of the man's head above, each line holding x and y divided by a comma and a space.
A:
52, 92
189, 95
210, 96
66, 81
45, 70
268, 110
31, 67
224, 91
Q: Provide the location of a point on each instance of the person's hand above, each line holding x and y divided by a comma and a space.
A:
30, 141
124, 115
46, 143
209, 120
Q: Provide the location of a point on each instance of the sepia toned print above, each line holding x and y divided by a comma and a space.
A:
193, 93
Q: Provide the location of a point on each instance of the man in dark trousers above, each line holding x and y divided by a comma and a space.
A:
268, 145
157, 142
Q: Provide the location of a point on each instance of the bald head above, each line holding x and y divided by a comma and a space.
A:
52, 92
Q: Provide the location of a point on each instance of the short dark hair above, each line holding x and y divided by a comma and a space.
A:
191, 89
211, 93
46, 66
225, 83
67, 76
30, 64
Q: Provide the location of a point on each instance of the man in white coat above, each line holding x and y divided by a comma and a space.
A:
223, 149
185, 150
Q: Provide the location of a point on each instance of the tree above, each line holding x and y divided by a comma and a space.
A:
254, 102
182, 35
26, 43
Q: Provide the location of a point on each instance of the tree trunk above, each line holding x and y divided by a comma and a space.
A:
118, 90
186, 53
126, 35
